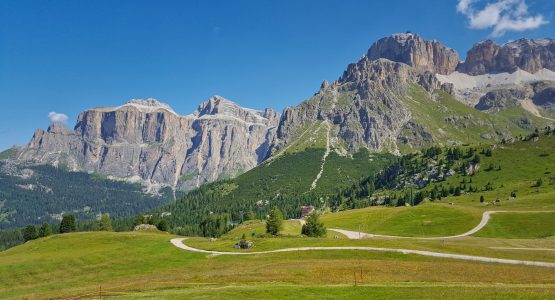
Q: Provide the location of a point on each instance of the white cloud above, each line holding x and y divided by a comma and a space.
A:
57, 117
500, 15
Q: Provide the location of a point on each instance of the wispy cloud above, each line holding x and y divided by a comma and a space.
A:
57, 117
501, 15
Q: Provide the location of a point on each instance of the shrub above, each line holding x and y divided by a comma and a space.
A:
30, 233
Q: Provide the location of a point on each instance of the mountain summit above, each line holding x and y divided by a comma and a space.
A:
414, 51
405, 93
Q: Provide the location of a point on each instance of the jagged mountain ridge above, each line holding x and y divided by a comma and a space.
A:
146, 141
387, 101
382, 102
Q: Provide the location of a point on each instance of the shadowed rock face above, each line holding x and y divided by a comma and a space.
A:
544, 94
148, 142
528, 55
414, 51
502, 98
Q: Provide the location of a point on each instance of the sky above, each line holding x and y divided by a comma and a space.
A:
58, 58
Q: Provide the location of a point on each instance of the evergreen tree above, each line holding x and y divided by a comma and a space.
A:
105, 223
250, 215
482, 199
68, 224
274, 224
313, 226
45, 230
30, 233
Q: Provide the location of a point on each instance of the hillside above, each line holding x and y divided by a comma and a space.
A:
507, 174
290, 180
37, 194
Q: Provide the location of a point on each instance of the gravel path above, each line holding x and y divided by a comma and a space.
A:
355, 235
178, 242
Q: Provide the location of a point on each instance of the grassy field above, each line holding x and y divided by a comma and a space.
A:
146, 265
424, 220
520, 225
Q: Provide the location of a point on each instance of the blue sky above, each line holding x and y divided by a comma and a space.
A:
67, 56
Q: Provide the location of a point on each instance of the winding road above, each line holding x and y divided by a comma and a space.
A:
355, 235
178, 242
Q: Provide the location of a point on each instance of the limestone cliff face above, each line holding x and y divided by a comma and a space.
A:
528, 55
146, 141
414, 51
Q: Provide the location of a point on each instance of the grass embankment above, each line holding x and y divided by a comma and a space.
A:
520, 226
512, 168
146, 264
425, 220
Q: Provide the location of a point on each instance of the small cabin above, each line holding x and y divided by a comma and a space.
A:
306, 210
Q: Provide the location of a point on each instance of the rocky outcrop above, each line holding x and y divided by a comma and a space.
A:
414, 51
146, 141
365, 106
497, 100
544, 94
528, 55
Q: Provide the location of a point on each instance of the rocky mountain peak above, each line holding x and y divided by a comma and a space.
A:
413, 50
220, 107
216, 105
58, 128
149, 105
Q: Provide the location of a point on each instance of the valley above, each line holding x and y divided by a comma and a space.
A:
414, 175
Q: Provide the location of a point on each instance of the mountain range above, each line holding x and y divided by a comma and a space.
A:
405, 93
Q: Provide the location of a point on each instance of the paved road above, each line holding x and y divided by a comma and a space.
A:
178, 242
355, 235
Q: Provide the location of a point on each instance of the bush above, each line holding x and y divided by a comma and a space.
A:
45, 230
243, 243
163, 225
30, 233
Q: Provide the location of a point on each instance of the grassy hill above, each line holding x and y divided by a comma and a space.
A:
451, 122
146, 265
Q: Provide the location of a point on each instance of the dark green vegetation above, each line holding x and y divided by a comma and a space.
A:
284, 182
313, 226
482, 173
40, 194
274, 224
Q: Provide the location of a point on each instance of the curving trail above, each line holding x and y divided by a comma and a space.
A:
355, 235
178, 242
